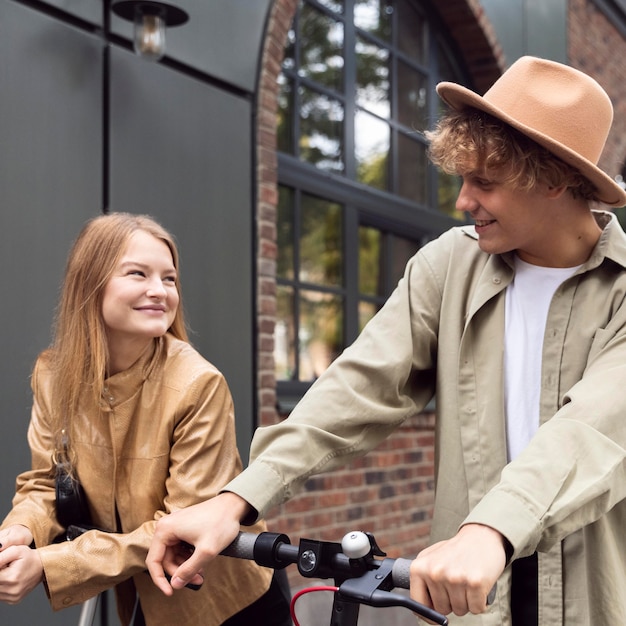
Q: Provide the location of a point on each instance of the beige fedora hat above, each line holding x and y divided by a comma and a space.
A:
559, 107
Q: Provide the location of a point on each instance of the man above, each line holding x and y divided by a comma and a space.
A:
518, 327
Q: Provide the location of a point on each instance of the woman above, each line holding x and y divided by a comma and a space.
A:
145, 423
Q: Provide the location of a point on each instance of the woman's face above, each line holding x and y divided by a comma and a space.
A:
141, 298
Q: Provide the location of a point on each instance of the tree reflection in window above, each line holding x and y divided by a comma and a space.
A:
357, 195
310, 296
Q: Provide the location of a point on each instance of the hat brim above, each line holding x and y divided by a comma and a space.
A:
609, 192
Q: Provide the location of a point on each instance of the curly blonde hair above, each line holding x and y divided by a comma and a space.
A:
472, 140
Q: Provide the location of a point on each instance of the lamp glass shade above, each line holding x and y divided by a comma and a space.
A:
149, 36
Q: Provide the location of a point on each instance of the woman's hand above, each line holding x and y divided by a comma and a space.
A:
15, 535
21, 570
456, 576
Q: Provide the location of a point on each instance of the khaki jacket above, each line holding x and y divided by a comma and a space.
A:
157, 443
441, 335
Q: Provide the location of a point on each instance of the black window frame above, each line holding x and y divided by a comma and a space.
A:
364, 205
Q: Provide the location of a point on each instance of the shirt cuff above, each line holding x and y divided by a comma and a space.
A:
261, 487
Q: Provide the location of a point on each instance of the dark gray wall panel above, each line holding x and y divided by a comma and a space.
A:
89, 10
181, 151
222, 38
50, 164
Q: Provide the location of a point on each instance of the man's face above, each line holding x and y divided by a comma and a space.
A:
508, 219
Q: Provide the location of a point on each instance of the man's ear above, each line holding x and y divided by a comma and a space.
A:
555, 192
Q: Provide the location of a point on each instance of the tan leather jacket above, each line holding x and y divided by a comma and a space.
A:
158, 442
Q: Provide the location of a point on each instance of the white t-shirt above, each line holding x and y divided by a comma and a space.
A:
528, 300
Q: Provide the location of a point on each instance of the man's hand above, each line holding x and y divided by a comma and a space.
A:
456, 576
21, 570
208, 527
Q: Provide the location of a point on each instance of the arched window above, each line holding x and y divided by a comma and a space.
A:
357, 196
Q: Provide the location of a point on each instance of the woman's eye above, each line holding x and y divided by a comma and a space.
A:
171, 279
136, 273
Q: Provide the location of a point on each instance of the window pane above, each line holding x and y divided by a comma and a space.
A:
333, 5
412, 31
401, 251
372, 78
370, 260
284, 233
412, 101
321, 45
371, 147
321, 332
374, 16
412, 164
289, 56
321, 242
447, 192
285, 129
353, 101
321, 131
367, 310
284, 335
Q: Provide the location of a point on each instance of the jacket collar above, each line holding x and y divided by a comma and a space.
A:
612, 242
123, 385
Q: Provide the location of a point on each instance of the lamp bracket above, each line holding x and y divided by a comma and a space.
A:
128, 9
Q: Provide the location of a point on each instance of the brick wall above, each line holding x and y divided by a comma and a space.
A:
388, 492
597, 48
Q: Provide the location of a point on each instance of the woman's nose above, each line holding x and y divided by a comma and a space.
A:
156, 288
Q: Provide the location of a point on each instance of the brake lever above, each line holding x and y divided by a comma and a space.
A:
373, 588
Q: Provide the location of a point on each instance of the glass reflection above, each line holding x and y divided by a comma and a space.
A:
367, 310
412, 30
412, 168
412, 103
284, 127
402, 250
370, 259
289, 55
374, 16
321, 131
371, 148
333, 5
321, 237
447, 191
320, 337
321, 48
372, 78
284, 335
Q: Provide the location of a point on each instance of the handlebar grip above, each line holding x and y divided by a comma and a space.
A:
401, 578
242, 547
400, 573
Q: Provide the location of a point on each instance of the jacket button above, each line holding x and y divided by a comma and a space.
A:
67, 601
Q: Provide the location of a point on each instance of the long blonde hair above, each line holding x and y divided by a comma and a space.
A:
79, 353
